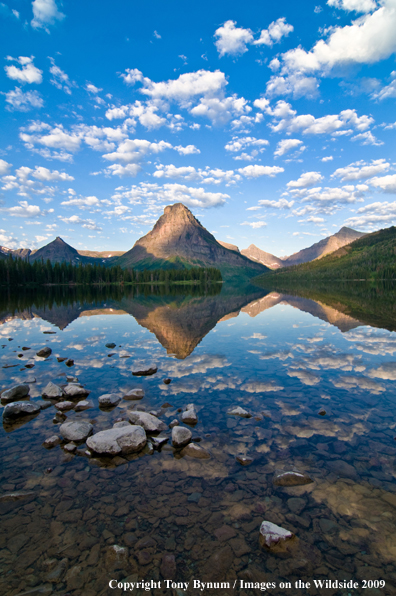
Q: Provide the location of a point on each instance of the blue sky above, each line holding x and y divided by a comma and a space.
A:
273, 122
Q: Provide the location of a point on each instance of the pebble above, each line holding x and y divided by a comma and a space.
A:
238, 411
108, 400
44, 352
52, 442
244, 460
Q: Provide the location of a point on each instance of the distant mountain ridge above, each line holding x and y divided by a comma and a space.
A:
326, 246
266, 258
58, 251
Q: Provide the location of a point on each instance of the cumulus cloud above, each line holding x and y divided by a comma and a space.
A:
307, 179
232, 40
4, 167
19, 101
23, 209
256, 171
82, 202
281, 204
89, 224
155, 196
354, 5
286, 145
130, 170
388, 91
327, 200
373, 216
44, 174
132, 151
221, 110
28, 73
361, 170
385, 183
296, 85
45, 13
188, 150
240, 143
275, 32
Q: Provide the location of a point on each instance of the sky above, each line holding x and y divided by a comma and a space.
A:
274, 122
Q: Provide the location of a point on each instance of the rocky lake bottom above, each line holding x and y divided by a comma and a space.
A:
318, 387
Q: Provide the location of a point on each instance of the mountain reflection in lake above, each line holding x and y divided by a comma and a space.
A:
282, 358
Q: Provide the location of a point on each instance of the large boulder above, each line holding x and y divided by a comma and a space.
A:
181, 436
74, 390
77, 430
14, 393
20, 408
52, 391
150, 423
119, 440
189, 416
108, 400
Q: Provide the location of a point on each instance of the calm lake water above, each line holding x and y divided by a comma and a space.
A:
282, 358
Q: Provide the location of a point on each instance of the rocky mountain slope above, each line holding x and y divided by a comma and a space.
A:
324, 247
179, 240
58, 251
265, 258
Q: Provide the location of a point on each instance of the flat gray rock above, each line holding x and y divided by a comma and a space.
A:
44, 352
20, 408
52, 442
52, 391
181, 436
84, 404
108, 400
158, 442
150, 423
291, 478
77, 430
238, 411
119, 440
134, 394
14, 393
189, 416
272, 535
63, 406
195, 451
76, 391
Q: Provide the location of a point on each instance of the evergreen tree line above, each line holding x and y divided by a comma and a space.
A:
18, 271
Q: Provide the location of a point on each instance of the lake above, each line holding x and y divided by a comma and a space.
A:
317, 379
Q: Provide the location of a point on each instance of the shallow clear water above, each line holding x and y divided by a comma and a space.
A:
279, 357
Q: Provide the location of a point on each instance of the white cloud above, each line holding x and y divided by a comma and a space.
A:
146, 114
82, 202
45, 12
132, 151
307, 179
28, 73
89, 224
373, 216
254, 224
389, 91
296, 85
232, 40
4, 167
92, 89
157, 35
356, 5
241, 143
367, 138
221, 110
207, 175
327, 200
24, 210
256, 171
327, 158
60, 79
188, 150
286, 145
19, 101
131, 169
385, 183
367, 40
274, 33
281, 204
155, 196
117, 113
361, 170
41, 173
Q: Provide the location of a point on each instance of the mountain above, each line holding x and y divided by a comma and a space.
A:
371, 257
266, 258
58, 251
320, 249
229, 246
22, 253
104, 254
178, 240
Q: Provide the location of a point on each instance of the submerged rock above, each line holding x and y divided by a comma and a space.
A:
181, 436
291, 478
168, 566
108, 400
121, 440
69, 362
190, 416
111, 345
244, 460
78, 430
20, 408
273, 536
238, 411
44, 352
14, 393
167, 381
322, 412
134, 394
52, 391
195, 451
149, 422
52, 442
145, 371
